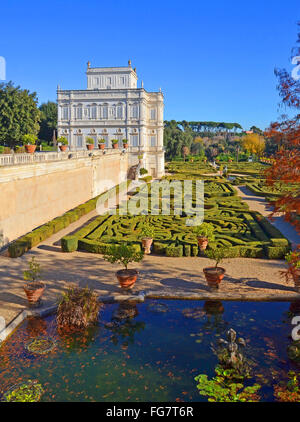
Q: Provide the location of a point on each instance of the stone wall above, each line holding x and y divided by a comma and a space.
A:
32, 194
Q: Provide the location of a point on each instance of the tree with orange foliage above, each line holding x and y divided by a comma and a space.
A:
286, 133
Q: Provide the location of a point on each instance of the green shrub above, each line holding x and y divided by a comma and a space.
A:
159, 248
276, 252
175, 251
93, 246
146, 179
143, 171
29, 139
18, 248
187, 250
69, 243
123, 254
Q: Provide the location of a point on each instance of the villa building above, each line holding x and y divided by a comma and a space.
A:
113, 107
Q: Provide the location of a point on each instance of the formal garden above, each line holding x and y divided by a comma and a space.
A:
138, 349
236, 229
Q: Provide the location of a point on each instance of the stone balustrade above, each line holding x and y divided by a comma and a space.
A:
40, 157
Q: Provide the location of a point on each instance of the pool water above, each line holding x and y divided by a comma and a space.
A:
149, 351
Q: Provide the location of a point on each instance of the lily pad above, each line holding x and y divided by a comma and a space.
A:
40, 345
32, 391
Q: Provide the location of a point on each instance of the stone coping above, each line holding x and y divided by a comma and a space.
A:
158, 294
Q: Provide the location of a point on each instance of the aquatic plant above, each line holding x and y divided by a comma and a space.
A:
29, 392
222, 389
289, 392
231, 372
77, 308
40, 345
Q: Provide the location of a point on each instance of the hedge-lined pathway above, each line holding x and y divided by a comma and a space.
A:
258, 203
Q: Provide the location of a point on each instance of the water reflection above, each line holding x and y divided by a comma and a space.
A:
214, 311
123, 327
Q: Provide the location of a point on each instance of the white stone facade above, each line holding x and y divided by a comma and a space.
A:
113, 107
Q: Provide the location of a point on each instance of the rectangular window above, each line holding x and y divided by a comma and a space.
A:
153, 114
122, 80
79, 113
112, 112
119, 112
94, 112
135, 112
153, 141
134, 140
79, 141
65, 113
105, 112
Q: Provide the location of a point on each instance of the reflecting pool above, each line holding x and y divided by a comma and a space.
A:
149, 351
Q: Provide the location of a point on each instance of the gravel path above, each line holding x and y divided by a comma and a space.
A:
258, 203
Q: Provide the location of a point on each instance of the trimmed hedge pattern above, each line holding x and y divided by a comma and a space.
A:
241, 232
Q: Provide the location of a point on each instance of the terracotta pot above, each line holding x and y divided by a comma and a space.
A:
30, 149
34, 292
202, 242
127, 278
115, 146
125, 146
90, 146
147, 242
101, 146
214, 276
63, 148
296, 278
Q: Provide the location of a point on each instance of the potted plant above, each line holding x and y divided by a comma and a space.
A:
89, 143
115, 143
214, 275
64, 143
101, 143
33, 287
143, 171
205, 234
125, 143
124, 254
29, 141
147, 234
293, 271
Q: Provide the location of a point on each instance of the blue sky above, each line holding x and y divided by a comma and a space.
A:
214, 60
